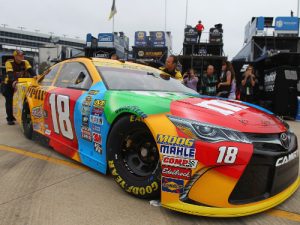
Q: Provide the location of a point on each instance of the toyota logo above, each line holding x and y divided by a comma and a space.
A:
285, 140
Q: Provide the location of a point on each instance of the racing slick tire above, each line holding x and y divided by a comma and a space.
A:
26, 121
133, 158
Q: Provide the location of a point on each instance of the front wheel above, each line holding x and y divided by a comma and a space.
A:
26, 121
133, 158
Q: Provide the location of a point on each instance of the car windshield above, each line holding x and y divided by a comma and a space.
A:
141, 80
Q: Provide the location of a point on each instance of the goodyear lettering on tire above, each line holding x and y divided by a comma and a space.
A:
132, 189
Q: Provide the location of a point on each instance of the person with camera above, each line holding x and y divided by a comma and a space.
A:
209, 82
247, 85
190, 79
15, 68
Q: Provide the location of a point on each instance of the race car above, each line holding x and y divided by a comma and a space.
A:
159, 139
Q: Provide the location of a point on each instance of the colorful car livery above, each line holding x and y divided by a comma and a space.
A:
200, 155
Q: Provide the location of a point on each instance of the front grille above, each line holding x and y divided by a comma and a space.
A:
253, 185
261, 178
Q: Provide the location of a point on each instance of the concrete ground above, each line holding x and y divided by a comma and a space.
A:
41, 187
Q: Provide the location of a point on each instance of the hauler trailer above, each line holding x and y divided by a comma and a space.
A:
272, 46
107, 44
152, 49
209, 51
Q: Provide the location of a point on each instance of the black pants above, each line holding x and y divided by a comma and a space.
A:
8, 93
247, 98
199, 37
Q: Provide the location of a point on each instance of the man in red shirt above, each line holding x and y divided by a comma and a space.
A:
199, 28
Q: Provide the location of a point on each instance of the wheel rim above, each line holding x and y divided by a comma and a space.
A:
139, 153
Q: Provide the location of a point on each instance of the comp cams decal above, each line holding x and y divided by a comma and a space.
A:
179, 162
176, 146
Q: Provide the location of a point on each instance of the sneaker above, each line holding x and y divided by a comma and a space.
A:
10, 122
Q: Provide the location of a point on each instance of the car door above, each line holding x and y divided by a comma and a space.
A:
60, 106
35, 97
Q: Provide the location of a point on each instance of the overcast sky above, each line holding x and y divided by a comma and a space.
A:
77, 17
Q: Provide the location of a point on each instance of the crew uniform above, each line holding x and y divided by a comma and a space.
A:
175, 74
14, 71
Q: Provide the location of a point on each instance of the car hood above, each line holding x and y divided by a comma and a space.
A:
231, 114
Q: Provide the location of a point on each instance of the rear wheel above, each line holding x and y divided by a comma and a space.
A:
26, 121
133, 158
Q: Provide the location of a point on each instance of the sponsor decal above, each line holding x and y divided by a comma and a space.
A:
227, 155
85, 110
93, 92
48, 132
98, 147
174, 140
46, 126
45, 112
179, 162
37, 112
177, 151
88, 98
86, 133
85, 121
36, 126
176, 146
176, 172
172, 185
97, 138
96, 128
96, 120
134, 118
288, 158
99, 103
97, 111
36, 93
87, 101
132, 189
223, 107
133, 109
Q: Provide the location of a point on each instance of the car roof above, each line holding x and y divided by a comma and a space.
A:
110, 63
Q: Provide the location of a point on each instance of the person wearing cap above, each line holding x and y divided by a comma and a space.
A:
171, 67
15, 68
199, 27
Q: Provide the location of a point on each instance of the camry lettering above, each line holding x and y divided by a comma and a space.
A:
178, 151
286, 159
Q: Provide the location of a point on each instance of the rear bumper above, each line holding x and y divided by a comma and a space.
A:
238, 211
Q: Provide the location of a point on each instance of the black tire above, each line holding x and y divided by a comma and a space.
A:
26, 121
133, 158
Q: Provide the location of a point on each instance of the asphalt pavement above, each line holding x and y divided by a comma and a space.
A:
41, 187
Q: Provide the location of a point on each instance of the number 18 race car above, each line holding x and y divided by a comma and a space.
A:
200, 155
